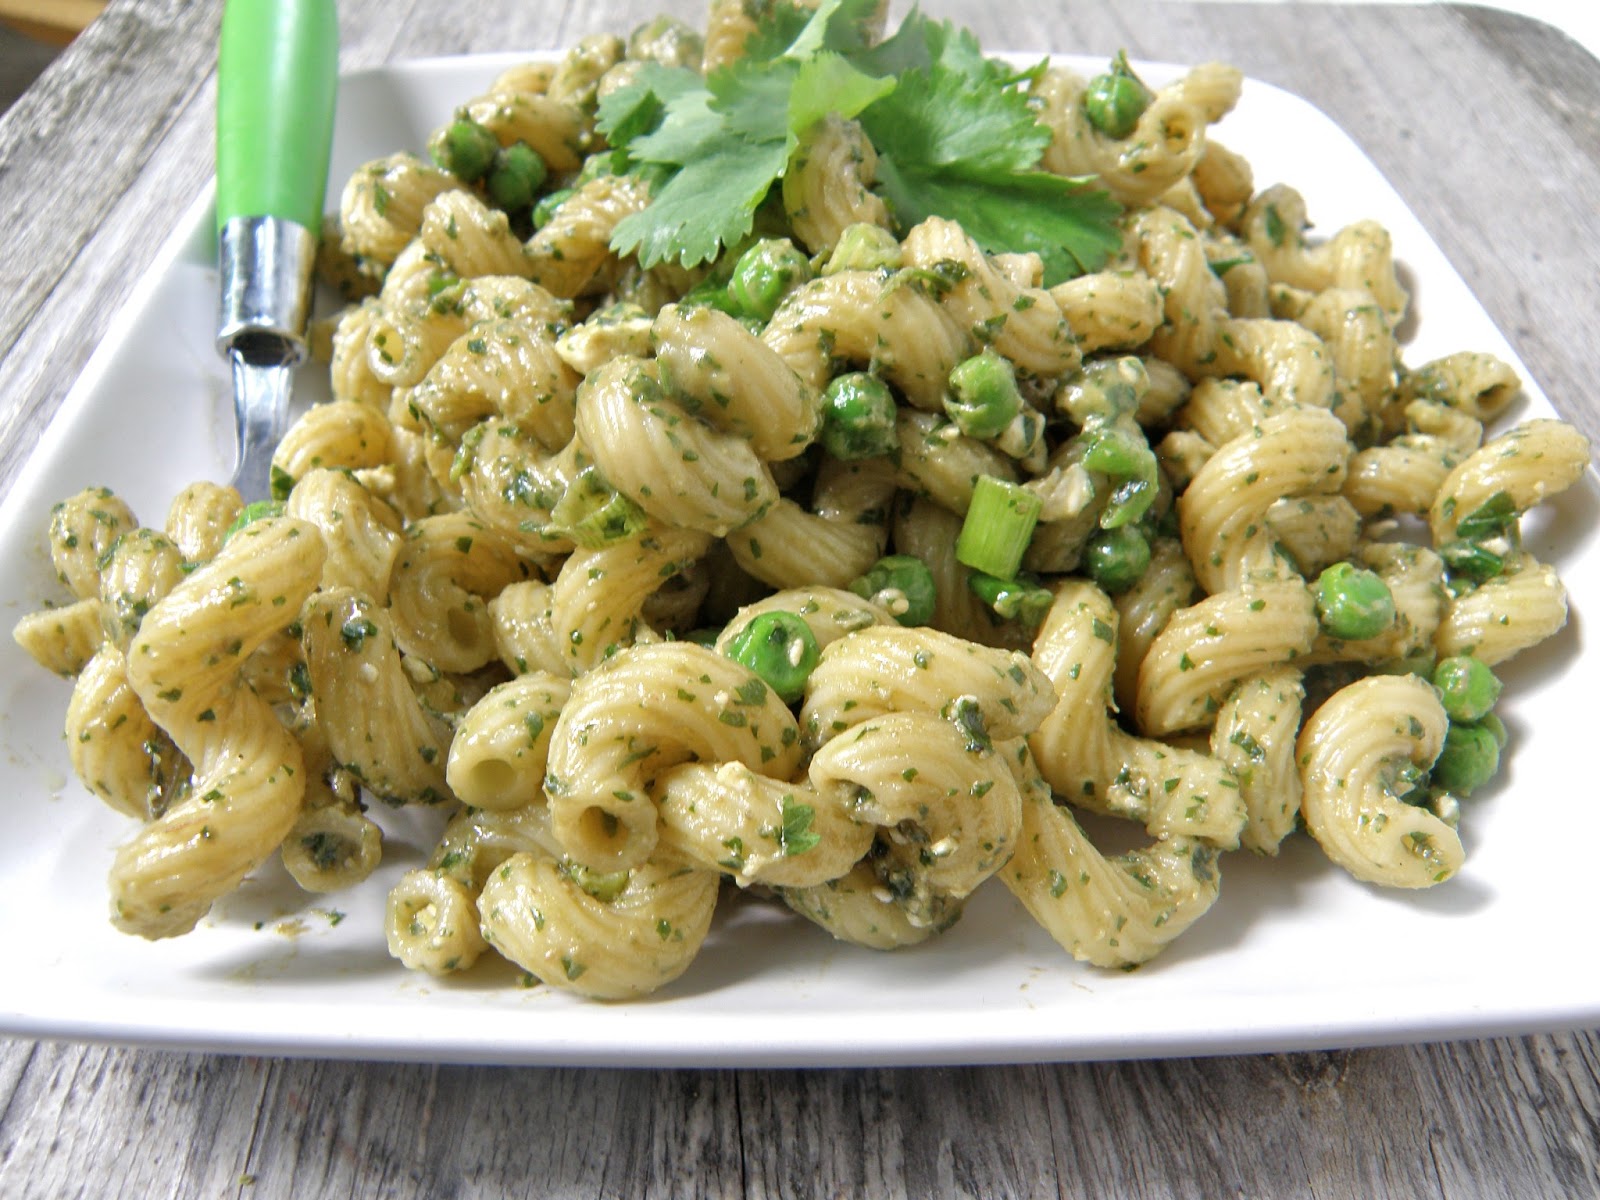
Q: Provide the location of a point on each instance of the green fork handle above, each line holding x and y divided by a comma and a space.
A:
277, 76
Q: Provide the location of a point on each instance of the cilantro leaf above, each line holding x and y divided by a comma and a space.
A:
828, 83
639, 107
838, 25
795, 836
1070, 226
706, 206
935, 117
948, 148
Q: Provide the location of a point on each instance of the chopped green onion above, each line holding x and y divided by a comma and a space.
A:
1022, 599
998, 526
863, 247
594, 515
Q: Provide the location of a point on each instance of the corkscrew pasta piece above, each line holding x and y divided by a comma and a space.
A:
595, 606
1404, 474
1112, 912
444, 572
614, 939
645, 709
1506, 615
835, 542
82, 529
683, 471
431, 923
857, 908
62, 639
1025, 324
343, 435
198, 519
1223, 512
1209, 648
709, 360
119, 753
381, 209
827, 186
870, 317
333, 845
569, 251
943, 799
1480, 385
1161, 150
501, 366
350, 373
375, 726
1110, 310
248, 780
1167, 585
359, 530
1523, 467
884, 669
1356, 753
760, 830
1254, 739
141, 567
1361, 255
1089, 760
499, 750
470, 238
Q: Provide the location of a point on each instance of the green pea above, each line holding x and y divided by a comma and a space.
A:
901, 583
983, 397
546, 208
516, 177
1469, 759
1467, 687
858, 417
1021, 599
765, 274
1116, 559
781, 649
1353, 604
864, 247
465, 149
1115, 101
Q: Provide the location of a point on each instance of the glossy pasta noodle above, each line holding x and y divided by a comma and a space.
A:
658, 573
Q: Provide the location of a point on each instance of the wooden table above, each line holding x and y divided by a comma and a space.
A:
1488, 124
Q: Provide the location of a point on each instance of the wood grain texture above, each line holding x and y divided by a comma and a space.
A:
1489, 127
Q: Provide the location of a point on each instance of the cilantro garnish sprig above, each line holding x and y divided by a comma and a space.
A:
954, 134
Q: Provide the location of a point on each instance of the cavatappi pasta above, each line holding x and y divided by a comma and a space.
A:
651, 591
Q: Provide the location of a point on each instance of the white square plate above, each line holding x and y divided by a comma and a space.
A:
1294, 955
